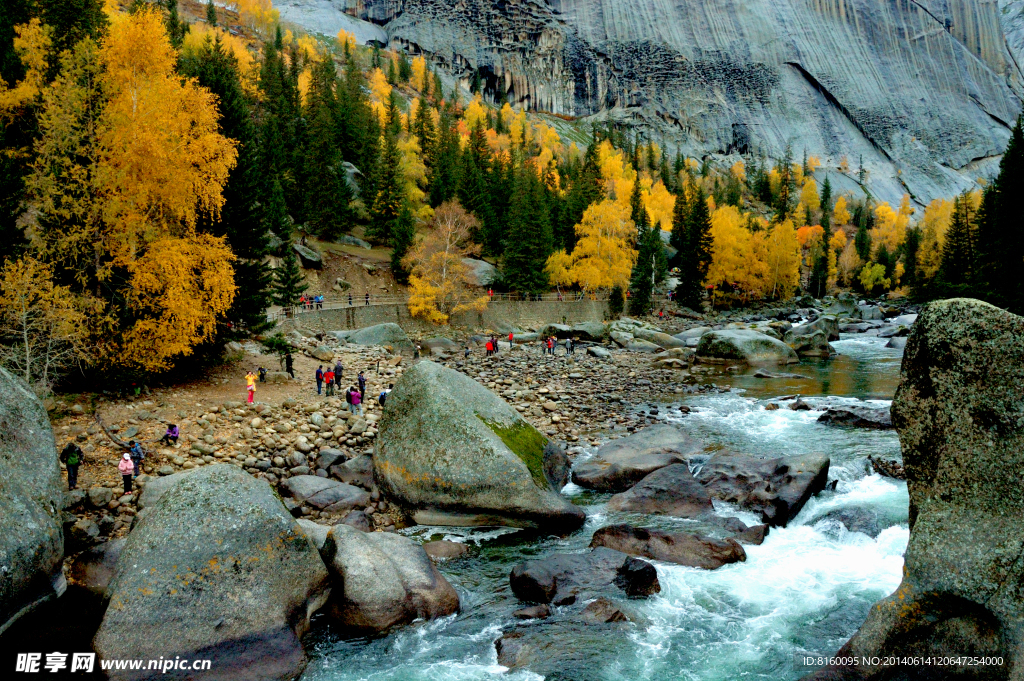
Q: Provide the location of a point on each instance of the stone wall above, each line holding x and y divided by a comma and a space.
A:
499, 316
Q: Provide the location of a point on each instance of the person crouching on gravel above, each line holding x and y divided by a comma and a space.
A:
170, 436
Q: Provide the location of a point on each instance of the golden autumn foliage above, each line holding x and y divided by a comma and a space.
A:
419, 72
937, 216
475, 113
604, 255
840, 214
259, 15
248, 66
782, 255
414, 172
439, 283
128, 158
890, 227
345, 38
737, 254
809, 196
31, 43
380, 94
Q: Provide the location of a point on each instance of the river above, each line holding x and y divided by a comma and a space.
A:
804, 591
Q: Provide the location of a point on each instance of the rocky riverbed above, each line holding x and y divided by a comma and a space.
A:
622, 378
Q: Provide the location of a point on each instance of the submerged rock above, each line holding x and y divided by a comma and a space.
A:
671, 490
383, 580
563, 578
452, 453
683, 548
774, 488
216, 570
958, 411
31, 499
743, 345
620, 464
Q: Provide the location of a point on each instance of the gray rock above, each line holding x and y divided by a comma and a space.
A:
599, 352
743, 345
93, 569
481, 272
682, 548
595, 332
452, 452
814, 344
31, 500
858, 417
315, 532
533, 612
696, 332
642, 346
603, 611
620, 464
339, 498
156, 487
564, 578
774, 488
660, 339
438, 345
302, 487
99, 497
556, 465
870, 312
328, 457
216, 570
827, 324
323, 353
308, 257
384, 581
81, 535
445, 550
622, 338
671, 490
389, 334
897, 342
357, 471
350, 240
958, 414
906, 320
358, 520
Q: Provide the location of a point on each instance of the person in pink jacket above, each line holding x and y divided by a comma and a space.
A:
127, 468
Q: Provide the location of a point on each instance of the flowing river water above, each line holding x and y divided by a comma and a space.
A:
804, 591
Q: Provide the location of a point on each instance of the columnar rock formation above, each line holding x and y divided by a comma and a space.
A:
928, 88
960, 418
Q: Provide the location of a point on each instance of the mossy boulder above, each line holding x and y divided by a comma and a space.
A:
450, 452
959, 413
743, 345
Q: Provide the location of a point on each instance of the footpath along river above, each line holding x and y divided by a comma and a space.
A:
804, 591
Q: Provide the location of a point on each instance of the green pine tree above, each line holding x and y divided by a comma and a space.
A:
1000, 235
211, 13
862, 239
390, 193
288, 281
404, 68
957, 269
587, 188
695, 259
327, 193
176, 28
529, 238
401, 241
444, 176
819, 268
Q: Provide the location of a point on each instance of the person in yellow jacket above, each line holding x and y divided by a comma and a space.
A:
250, 382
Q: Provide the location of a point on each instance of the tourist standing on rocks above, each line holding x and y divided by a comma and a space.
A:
338, 368
263, 374
71, 457
288, 365
357, 402
137, 455
350, 299
467, 352
384, 395
367, 299
250, 387
319, 379
362, 385
509, 340
170, 435
125, 467
329, 379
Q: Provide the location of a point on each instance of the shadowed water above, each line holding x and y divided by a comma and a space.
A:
804, 591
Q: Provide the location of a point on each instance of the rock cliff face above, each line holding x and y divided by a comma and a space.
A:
922, 90
960, 418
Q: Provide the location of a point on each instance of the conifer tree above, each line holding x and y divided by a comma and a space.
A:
275, 217
959, 257
1000, 233
473, 188
242, 216
288, 281
819, 268
423, 128
176, 28
678, 237
586, 189
696, 258
862, 239
211, 13
327, 191
401, 241
529, 239
392, 74
389, 197
444, 178
404, 68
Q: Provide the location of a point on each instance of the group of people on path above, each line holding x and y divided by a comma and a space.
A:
547, 345
311, 302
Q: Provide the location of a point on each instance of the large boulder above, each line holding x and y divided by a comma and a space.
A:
31, 499
564, 578
453, 453
774, 488
389, 334
845, 305
958, 411
436, 346
620, 464
590, 331
671, 490
827, 324
93, 569
683, 548
217, 570
743, 345
660, 339
481, 272
309, 258
384, 580
810, 345
325, 494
